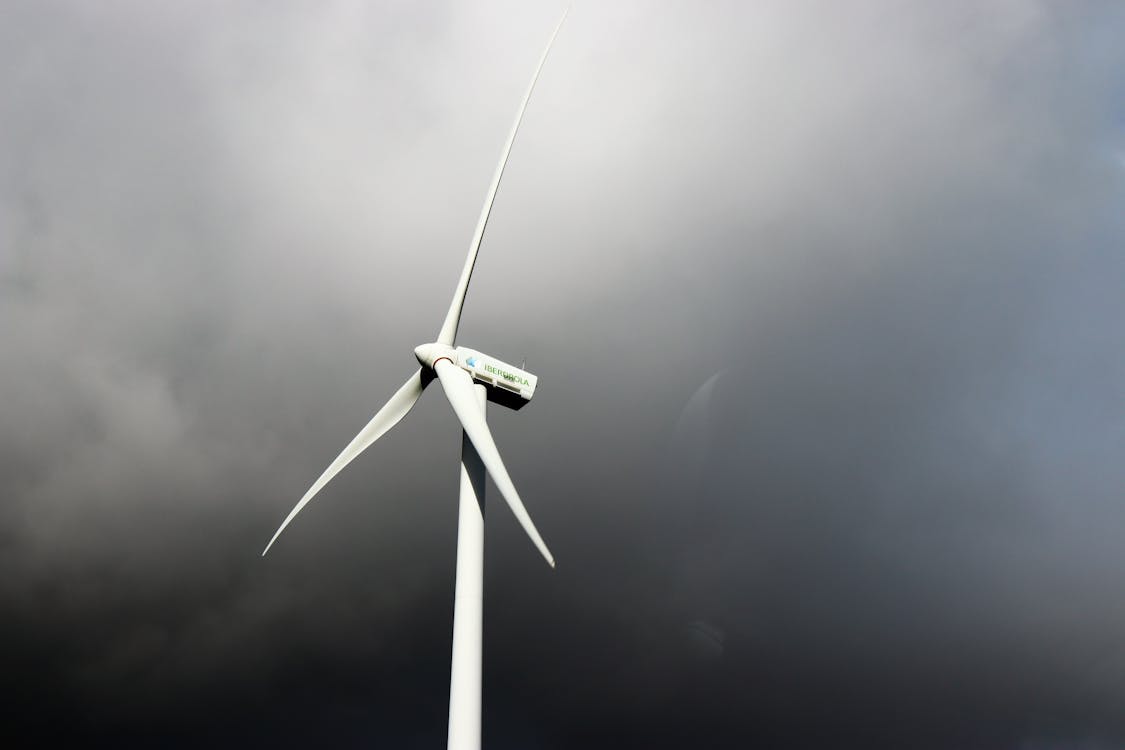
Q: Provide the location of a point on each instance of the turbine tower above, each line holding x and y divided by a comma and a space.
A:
469, 379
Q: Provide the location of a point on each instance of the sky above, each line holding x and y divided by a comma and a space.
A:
825, 301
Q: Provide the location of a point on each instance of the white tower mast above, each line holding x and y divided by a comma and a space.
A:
468, 599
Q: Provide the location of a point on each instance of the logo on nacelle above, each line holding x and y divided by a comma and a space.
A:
471, 361
511, 377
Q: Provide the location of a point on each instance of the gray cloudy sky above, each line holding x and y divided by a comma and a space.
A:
826, 303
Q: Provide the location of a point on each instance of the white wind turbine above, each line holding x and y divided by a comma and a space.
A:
469, 379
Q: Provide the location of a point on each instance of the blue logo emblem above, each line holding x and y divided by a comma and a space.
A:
471, 361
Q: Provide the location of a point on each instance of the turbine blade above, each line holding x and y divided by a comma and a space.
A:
453, 318
458, 387
386, 418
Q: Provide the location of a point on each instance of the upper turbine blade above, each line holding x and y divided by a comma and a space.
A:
448, 332
386, 418
458, 387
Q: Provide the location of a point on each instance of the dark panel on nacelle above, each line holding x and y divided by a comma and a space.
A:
504, 397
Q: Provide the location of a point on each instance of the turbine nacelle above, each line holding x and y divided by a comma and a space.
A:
507, 384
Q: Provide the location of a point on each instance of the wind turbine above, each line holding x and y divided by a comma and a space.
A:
469, 379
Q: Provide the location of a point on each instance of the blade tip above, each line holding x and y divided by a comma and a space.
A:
275, 536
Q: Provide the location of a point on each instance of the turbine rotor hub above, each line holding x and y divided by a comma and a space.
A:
429, 354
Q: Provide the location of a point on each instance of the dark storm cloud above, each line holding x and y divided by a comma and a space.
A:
895, 229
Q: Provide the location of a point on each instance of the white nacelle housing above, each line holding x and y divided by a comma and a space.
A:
493, 372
